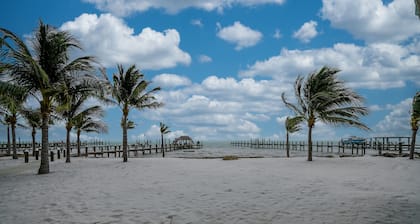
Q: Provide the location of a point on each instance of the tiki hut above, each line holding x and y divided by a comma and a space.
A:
184, 140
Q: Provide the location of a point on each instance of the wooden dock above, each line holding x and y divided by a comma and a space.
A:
379, 144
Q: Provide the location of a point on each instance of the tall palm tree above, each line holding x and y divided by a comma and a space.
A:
11, 106
163, 130
87, 121
33, 119
323, 97
292, 126
43, 70
129, 90
415, 122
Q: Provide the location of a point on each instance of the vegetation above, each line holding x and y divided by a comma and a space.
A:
88, 120
75, 92
11, 106
33, 119
163, 130
292, 126
41, 70
415, 122
130, 90
321, 96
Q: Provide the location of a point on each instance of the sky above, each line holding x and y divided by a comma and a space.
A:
223, 64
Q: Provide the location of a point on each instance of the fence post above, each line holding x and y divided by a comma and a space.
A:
400, 148
37, 154
26, 156
58, 154
52, 156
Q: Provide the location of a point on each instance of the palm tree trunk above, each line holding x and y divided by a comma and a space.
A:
125, 156
413, 142
163, 150
287, 145
68, 144
44, 168
8, 140
310, 143
14, 140
33, 141
78, 143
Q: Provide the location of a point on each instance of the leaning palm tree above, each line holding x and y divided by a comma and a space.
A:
41, 70
87, 121
163, 130
415, 122
129, 90
323, 97
292, 126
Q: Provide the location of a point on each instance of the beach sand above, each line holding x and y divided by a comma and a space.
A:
174, 190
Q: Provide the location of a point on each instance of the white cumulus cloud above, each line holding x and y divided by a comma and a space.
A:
306, 32
112, 41
240, 35
171, 80
127, 7
376, 66
373, 20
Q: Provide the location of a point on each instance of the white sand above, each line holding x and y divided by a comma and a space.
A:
173, 190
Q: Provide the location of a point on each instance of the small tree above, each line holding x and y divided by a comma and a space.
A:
163, 130
415, 120
292, 126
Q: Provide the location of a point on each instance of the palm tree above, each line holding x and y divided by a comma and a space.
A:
5, 122
41, 72
129, 90
163, 130
323, 97
417, 9
76, 91
33, 118
11, 106
292, 126
415, 122
85, 121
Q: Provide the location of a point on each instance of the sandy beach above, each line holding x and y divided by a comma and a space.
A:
174, 190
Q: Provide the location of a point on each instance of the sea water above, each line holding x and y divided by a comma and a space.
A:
221, 149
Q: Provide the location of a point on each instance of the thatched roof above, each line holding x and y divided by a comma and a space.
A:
183, 139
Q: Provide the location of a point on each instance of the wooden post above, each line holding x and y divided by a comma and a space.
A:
26, 156
86, 151
37, 154
102, 151
58, 154
115, 149
94, 151
52, 156
400, 148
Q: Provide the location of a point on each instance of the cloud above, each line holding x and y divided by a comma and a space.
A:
376, 66
127, 7
396, 122
306, 32
220, 107
373, 20
197, 22
171, 80
204, 59
240, 35
112, 41
277, 35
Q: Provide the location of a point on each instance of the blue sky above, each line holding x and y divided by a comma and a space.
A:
223, 64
